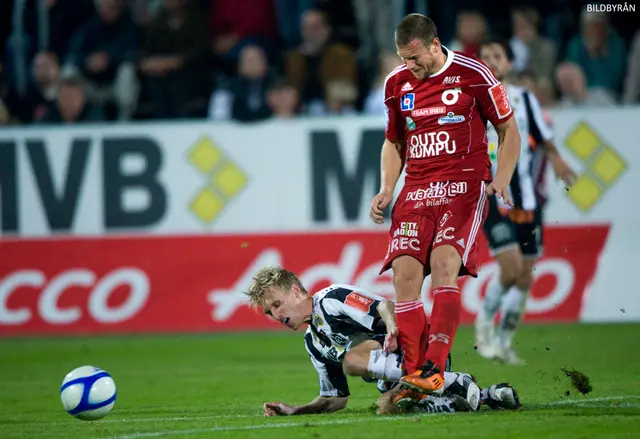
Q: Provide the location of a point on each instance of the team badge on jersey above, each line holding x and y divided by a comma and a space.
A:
408, 101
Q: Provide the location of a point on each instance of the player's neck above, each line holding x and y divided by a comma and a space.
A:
441, 59
308, 309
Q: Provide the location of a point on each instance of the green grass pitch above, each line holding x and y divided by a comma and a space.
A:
209, 386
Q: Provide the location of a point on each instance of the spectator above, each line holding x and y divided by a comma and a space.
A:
103, 52
40, 92
6, 117
71, 105
573, 89
471, 29
374, 104
174, 60
245, 97
289, 15
340, 99
233, 27
375, 31
283, 100
66, 17
318, 61
631, 92
531, 51
600, 52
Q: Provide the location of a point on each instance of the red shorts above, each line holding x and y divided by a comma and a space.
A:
443, 213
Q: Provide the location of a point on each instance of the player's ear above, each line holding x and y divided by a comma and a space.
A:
436, 46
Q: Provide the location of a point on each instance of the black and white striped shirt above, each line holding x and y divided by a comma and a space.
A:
533, 128
343, 316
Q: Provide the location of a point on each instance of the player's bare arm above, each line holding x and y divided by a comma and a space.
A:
508, 155
387, 311
322, 404
391, 164
560, 167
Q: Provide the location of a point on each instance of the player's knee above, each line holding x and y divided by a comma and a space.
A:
511, 267
352, 364
408, 275
524, 282
445, 266
525, 279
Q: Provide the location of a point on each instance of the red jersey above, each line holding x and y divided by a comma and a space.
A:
443, 118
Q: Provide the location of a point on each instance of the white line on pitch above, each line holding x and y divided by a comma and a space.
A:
259, 427
586, 402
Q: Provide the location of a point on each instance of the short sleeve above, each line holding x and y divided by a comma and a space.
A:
394, 128
359, 306
539, 128
492, 98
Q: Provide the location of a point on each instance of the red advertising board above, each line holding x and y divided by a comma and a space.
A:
196, 283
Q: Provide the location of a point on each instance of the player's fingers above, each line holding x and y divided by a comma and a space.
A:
489, 189
506, 197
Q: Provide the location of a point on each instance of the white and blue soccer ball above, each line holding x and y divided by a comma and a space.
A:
88, 393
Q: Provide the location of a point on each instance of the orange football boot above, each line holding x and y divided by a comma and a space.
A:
427, 380
407, 398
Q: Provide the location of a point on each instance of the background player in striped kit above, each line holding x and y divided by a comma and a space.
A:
515, 233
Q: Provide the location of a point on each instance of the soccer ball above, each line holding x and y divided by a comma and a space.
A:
88, 393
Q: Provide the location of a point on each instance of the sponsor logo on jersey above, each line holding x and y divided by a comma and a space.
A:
431, 145
430, 111
407, 229
404, 243
445, 218
445, 235
500, 100
450, 118
451, 80
318, 320
438, 194
411, 125
406, 87
408, 101
339, 339
451, 96
358, 301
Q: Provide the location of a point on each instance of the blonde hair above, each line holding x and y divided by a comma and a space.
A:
269, 277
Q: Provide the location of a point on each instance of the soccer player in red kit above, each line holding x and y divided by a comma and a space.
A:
437, 103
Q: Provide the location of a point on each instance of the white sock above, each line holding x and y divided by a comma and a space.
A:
511, 311
495, 291
384, 367
449, 378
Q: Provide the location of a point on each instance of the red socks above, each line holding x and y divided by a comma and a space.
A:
411, 322
445, 317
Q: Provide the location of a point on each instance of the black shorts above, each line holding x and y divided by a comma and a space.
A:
502, 233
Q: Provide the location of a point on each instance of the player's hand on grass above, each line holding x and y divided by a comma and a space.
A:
501, 190
277, 409
378, 205
391, 341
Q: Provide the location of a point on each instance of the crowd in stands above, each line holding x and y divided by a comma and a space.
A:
252, 60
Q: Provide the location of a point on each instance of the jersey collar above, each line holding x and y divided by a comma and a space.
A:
447, 63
